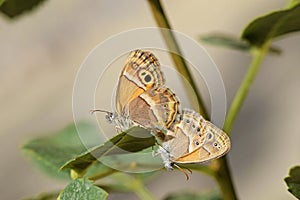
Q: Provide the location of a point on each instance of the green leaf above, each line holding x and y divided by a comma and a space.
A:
82, 189
14, 8
132, 140
225, 41
138, 162
51, 152
103, 172
194, 196
272, 25
293, 181
232, 42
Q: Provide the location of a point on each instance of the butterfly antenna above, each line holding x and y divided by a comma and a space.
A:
97, 110
110, 117
184, 172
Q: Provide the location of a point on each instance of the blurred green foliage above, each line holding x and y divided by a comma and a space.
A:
15, 8
64, 149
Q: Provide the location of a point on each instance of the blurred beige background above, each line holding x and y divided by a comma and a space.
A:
42, 51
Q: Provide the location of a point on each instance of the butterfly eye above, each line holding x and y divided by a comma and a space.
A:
197, 143
215, 144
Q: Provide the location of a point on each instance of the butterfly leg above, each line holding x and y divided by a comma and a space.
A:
184, 172
165, 155
156, 152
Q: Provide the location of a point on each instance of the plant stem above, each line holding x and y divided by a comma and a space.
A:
143, 192
224, 180
163, 23
137, 186
258, 55
128, 183
222, 173
102, 175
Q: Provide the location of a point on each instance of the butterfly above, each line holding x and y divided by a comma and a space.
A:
141, 96
143, 99
195, 140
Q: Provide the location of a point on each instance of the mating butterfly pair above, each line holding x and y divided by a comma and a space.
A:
143, 99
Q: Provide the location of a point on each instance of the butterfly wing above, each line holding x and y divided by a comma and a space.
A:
196, 140
141, 73
215, 145
156, 108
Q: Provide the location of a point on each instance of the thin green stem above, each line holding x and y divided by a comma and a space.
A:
137, 186
128, 183
163, 22
142, 192
222, 172
258, 56
102, 175
224, 180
